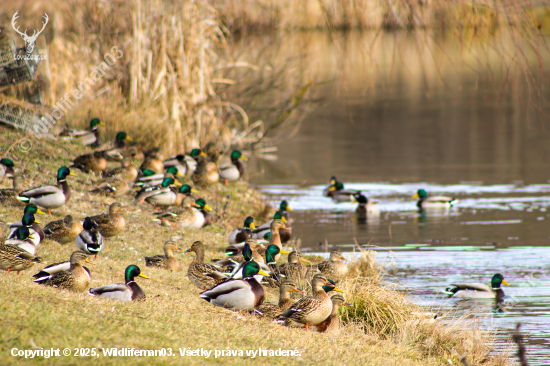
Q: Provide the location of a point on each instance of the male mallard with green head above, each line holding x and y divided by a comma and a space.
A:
22, 239
166, 261
365, 206
32, 224
112, 223
337, 192
13, 258
90, 136
235, 170
125, 292
50, 197
309, 310
89, 240
434, 201
202, 275
239, 235
63, 231
75, 279
237, 295
478, 290
120, 149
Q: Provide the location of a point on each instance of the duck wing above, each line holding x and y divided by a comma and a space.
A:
40, 191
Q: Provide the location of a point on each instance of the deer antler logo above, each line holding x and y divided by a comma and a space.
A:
29, 40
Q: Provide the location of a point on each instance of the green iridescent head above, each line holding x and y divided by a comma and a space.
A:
498, 280
284, 206
7, 162
247, 252
361, 199
173, 170
236, 155
131, 272
251, 269
202, 203
195, 153
421, 193
95, 122
249, 223
63, 172
147, 172
32, 208
167, 182
271, 252
22, 233
28, 219
267, 236
121, 136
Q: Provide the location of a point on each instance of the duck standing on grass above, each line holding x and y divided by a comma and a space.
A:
50, 197
434, 201
239, 235
237, 295
235, 170
166, 261
89, 240
478, 290
76, 278
63, 231
309, 310
125, 292
203, 275
112, 223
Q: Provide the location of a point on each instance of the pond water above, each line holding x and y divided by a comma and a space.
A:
392, 121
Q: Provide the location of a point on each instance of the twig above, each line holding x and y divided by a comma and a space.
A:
517, 337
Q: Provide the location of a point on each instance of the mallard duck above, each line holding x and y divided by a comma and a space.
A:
90, 136
8, 196
149, 178
478, 290
204, 210
63, 231
185, 191
120, 149
276, 225
162, 195
202, 275
166, 261
433, 202
212, 152
6, 168
332, 323
245, 294
285, 234
110, 187
235, 255
126, 171
50, 197
15, 259
365, 206
239, 235
283, 206
94, 162
32, 224
271, 310
250, 254
270, 253
126, 292
309, 310
333, 268
179, 162
187, 216
235, 170
206, 173
90, 240
294, 269
112, 223
22, 239
337, 192
76, 278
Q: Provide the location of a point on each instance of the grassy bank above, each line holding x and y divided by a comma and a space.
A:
378, 331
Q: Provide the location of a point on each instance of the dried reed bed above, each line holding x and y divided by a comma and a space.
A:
167, 89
